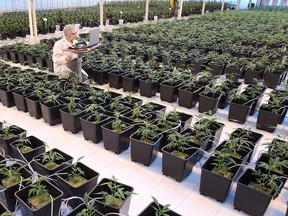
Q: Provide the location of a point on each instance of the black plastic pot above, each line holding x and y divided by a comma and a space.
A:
3, 209
41, 62
5, 143
99, 202
176, 167
9, 192
69, 190
208, 103
217, 69
213, 184
93, 131
14, 57
6, 97
239, 111
144, 153
20, 101
100, 76
147, 88
33, 105
115, 80
22, 58
130, 84
169, 93
116, 142
150, 210
71, 122
187, 98
267, 120
249, 200
43, 170
26, 209
250, 76
233, 73
31, 60
272, 80
37, 145
51, 112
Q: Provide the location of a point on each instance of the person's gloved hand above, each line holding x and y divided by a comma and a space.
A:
68, 58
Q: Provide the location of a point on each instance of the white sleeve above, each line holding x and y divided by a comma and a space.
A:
58, 54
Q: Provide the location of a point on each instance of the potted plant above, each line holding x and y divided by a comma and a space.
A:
87, 208
169, 87
274, 73
255, 190
33, 100
50, 108
210, 97
155, 208
77, 179
149, 84
237, 147
145, 143
8, 134
180, 155
270, 164
112, 196
210, 125
270, 115
217, 174
116, 134
38, 199
189, 93
50, 162
240, 106
11, 177
27, 147
130, 80
252, 138
23, 90
71, 113
92, 122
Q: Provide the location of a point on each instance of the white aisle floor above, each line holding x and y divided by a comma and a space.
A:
149, 181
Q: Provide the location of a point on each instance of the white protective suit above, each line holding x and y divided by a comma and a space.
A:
60, 64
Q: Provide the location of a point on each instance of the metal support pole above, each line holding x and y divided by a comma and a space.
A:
238, 4
203, 7
34, 19
30, 20
101, 14
179, 12
146, 11
222, 6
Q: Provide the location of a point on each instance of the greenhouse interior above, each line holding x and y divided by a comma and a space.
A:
145, 108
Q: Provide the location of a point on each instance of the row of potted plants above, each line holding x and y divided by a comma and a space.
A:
89, 16
42, 196
240, 141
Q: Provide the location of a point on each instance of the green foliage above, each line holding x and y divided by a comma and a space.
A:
118, 125
267, 182
38, 189
52, 156
115, 190
159, 210
223, 162
89, 210
147, 131
22, 142
95, 112
7, 130
76, 170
